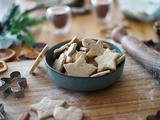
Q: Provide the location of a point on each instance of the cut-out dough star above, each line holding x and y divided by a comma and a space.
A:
107, 61
95, 48
80, 67
46, 107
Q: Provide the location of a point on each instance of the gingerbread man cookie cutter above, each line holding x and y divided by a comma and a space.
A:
1, 112
6, 89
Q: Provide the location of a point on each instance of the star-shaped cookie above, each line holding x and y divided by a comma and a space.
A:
95, 48
46, 107
107, 61
80, 67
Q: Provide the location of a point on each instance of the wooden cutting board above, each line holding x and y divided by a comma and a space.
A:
134, 96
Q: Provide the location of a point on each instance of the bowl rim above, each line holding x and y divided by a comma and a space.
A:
60, 73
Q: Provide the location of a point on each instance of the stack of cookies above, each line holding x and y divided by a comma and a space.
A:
86, 58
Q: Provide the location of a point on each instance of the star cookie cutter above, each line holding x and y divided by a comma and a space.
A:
1, 112
6, 89
154, 117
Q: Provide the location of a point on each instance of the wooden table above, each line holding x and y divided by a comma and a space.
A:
134, 96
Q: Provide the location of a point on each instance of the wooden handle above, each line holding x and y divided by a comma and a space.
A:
138, 50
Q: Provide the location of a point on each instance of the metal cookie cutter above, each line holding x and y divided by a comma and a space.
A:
5, 89
1, 112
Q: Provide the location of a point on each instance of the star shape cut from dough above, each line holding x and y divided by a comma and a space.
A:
107, 61
95, 48
46, 107
80, 67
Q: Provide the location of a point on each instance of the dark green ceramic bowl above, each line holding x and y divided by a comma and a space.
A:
82, 83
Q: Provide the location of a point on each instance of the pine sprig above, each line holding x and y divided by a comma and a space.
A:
10, 17
33, 21
17, 24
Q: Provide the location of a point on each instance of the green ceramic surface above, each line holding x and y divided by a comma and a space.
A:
82, 83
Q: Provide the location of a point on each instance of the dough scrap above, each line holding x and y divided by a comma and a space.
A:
72, 113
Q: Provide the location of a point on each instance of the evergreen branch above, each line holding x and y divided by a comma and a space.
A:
8, 18
16, 23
